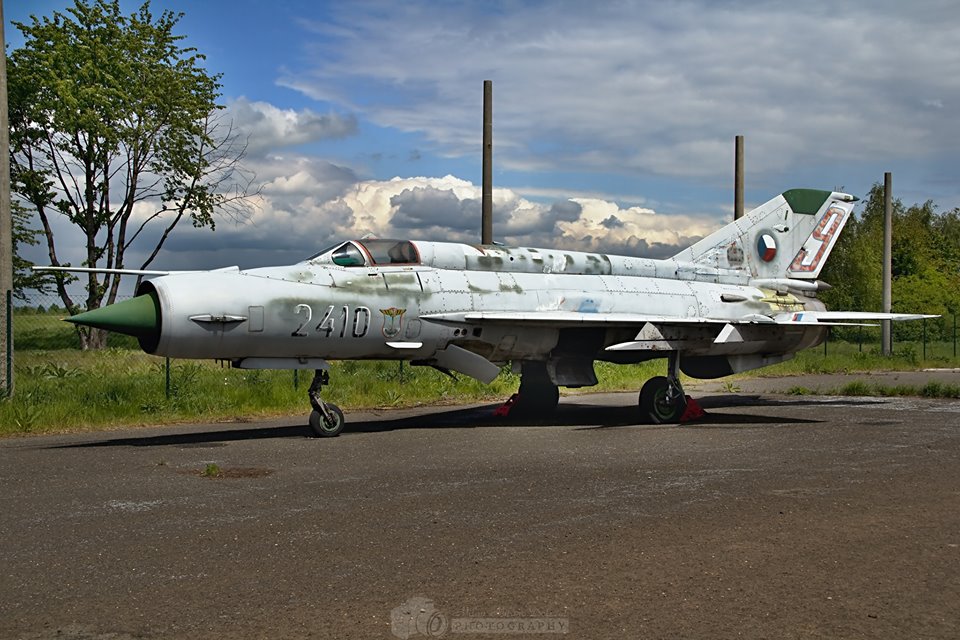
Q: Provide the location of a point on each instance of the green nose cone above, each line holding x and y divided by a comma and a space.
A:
138, 317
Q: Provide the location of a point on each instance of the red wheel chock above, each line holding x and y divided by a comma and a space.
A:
692, 412
504, 410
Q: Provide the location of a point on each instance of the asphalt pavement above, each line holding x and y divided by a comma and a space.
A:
774, 516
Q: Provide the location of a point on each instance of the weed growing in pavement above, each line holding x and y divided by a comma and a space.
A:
212, 470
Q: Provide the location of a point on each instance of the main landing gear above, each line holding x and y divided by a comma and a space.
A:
662, 397
538, 394
326, 419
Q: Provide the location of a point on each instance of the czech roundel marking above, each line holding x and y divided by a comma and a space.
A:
766, 247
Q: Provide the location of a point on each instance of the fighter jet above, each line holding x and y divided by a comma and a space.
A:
741, 298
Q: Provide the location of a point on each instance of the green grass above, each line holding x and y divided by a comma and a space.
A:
800, 390
70, 390
48, 331
845, 357
932, 389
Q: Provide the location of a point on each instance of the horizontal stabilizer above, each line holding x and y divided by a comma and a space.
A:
844, 317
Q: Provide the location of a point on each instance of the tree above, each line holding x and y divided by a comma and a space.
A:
925, 261
24, 279
114, 126
854, 267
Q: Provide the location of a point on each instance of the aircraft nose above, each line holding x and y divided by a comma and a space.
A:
139, 317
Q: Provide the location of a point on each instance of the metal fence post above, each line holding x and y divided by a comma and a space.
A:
924, 338
296, 379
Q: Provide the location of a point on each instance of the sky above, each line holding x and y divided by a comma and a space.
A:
614, 122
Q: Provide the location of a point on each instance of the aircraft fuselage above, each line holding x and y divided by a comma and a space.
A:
309, 311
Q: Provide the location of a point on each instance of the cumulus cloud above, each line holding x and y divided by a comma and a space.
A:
294, 224
607, 227
650, 87
306, 205
296, 209
268, 128
429, 207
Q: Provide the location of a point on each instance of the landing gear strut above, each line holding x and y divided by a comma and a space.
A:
662, 398
537, 394
326, 419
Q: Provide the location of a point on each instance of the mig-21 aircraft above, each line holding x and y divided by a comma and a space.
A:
741, 298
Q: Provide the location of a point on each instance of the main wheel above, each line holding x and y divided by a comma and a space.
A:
327, 428
660, 401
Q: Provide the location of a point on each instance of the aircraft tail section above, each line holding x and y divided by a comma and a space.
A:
790, 236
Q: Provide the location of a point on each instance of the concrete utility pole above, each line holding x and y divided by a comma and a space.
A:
486, 206
887, 325
6, 231
738, 178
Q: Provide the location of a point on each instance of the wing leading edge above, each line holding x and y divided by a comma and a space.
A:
561, 319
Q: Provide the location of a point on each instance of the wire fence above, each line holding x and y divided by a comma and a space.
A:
48, 348
40, 326
930, 339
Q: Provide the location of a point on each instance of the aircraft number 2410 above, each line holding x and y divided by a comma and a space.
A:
334, 316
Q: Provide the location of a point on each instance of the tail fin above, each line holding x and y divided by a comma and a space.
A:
790, 236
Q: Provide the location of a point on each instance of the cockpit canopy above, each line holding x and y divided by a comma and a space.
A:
364, 253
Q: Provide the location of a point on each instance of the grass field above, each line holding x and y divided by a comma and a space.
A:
48, 332
60, 388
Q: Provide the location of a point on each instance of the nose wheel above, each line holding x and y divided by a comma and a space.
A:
326, 419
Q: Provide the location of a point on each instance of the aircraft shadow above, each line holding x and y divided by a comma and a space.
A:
197, 439
569, 414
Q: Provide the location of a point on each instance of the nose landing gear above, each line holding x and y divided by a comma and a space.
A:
326, 419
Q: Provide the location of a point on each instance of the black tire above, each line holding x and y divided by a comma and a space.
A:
322, 428
656, 404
